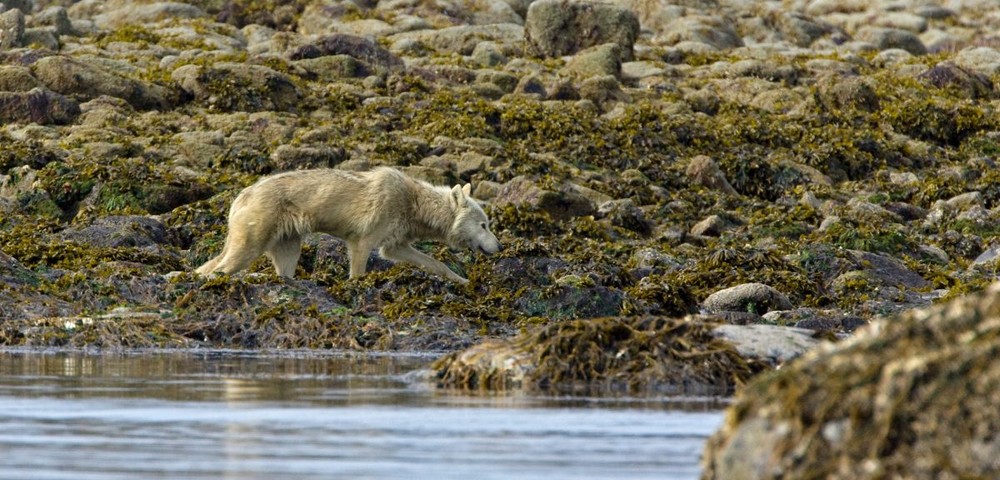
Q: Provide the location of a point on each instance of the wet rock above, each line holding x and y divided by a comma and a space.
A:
373, 55
706, 172
816, 319
560, 205
571, 301
11, 29
768, 343
238, 87
554, 28
856, 405
749, 297
39, 106
83, 81
886, 38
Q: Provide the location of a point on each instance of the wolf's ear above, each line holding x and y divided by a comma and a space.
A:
457, 197
467, 189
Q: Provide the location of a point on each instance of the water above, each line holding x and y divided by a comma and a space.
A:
71, 415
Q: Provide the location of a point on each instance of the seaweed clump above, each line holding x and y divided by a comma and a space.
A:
616, 353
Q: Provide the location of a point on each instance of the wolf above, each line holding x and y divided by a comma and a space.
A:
381, 208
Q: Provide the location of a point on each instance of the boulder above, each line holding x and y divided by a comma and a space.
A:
554, 28
11, 29
133, 13
461, 39
37, 106
749, 297
560, 205
17, 79
913, 396
768, 343
981, 60
85, 81
238, 87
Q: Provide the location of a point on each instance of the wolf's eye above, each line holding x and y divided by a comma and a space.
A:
483, 225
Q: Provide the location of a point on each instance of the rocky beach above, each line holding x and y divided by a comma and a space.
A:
689, 192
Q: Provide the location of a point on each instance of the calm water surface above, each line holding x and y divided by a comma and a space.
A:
72, 415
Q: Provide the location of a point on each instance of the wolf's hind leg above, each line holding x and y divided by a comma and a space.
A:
408, 254
284, 254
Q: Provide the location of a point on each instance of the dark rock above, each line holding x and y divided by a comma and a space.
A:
39, 106
566, 302
288, 157
949, 75
122, 231
554, 28
363, 49
624, 214
886, 38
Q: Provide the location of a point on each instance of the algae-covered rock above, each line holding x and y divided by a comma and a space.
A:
562, 27
882, 404
367, 51
237, 87
561, 204
635, 353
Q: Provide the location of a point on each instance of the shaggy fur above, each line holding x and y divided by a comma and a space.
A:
381, 208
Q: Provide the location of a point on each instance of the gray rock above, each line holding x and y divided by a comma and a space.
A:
331, 68
238, 87
123, 232
712, 31
554, 28
770, 343
11, 29
37, 106
748, 297
982, 60
488, 54
462, 39
56, 17
26, 6
886, 38
84, 81
595, 61
44, 37
802, 30
705, 172
710, 226
948, 75
288, 157
603, 89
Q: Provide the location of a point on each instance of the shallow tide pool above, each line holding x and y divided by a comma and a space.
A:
74, 415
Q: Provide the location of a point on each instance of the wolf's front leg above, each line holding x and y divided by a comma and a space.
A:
408, 254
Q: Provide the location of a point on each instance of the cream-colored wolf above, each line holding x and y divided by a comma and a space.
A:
381, 208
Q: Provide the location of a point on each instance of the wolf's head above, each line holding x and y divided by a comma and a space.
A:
471, 228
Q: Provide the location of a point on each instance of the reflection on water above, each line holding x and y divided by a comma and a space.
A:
69, 415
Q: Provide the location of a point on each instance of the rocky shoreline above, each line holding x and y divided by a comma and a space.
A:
811, 164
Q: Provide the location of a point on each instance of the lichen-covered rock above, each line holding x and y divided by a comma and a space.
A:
134, 13
462, 39
749, 297
84, 81
39, 105
706, 172
876, 405
232, 87
595, 61
555, 28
